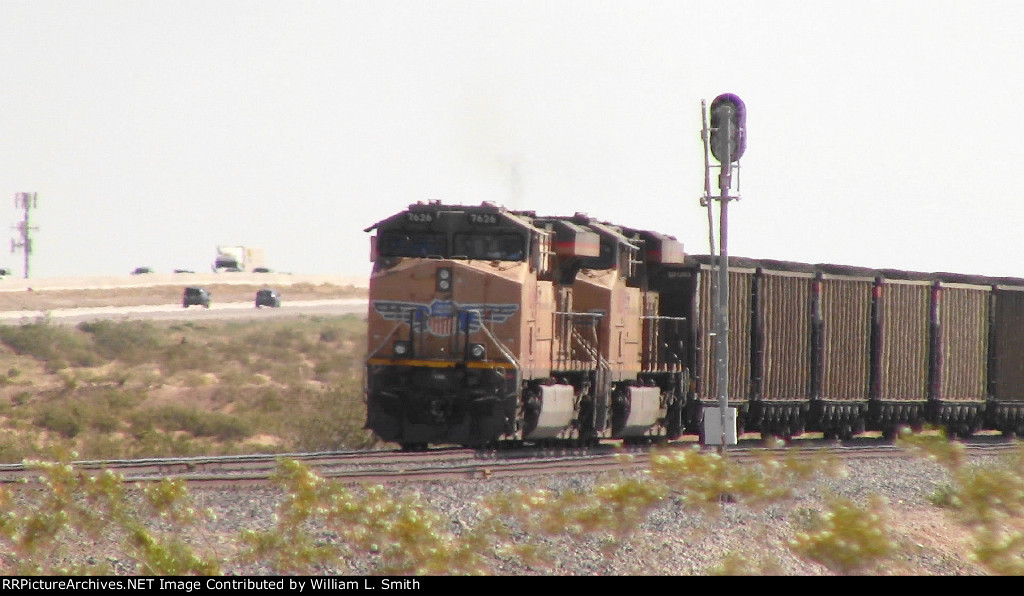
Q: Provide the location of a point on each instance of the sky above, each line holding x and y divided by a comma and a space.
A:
879, 133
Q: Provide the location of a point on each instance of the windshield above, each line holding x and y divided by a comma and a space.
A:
491, 247
412, 244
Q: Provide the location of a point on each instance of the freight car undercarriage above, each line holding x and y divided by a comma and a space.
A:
843, 419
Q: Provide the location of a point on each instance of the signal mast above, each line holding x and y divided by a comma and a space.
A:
726, 140
25, 201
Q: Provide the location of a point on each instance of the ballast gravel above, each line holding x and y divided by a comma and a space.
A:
672, 540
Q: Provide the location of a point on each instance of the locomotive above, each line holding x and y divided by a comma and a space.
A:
488, 325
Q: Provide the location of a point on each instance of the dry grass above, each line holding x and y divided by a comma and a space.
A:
110, 389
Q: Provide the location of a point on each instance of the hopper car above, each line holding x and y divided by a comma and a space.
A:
493, 326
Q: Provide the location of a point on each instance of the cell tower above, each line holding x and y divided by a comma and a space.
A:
26, 201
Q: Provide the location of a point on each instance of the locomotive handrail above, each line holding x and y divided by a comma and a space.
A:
501, 347
592, 351
581, 342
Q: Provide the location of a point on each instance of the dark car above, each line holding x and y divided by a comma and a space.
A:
261, 270
195, 296
142, 271
268, 297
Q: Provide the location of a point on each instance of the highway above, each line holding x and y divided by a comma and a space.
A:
231, 310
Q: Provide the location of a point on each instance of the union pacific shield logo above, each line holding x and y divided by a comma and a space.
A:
443, 317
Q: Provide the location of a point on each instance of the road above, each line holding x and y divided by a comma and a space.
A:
231, 310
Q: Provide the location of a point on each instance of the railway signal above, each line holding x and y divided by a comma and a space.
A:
726, 140
728, 128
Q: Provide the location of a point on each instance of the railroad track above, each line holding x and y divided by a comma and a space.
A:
447, 464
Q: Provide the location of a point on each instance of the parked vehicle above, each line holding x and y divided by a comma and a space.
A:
195, 296
141, 271
268, 297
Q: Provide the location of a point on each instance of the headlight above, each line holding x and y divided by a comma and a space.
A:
444, 279
476, 352
402, 349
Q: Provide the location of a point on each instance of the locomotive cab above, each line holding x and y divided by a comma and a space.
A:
455, 315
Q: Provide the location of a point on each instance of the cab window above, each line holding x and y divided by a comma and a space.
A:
489, 247
411, 244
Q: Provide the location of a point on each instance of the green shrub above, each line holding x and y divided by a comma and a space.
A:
195, 422
128, 341
329, 420
847, 537
60, 420
50, 343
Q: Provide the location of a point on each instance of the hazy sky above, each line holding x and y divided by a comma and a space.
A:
882, 134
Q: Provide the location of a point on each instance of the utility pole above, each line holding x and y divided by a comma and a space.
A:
25, 201
726, 138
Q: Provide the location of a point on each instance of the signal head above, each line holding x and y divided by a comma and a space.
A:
728, 128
